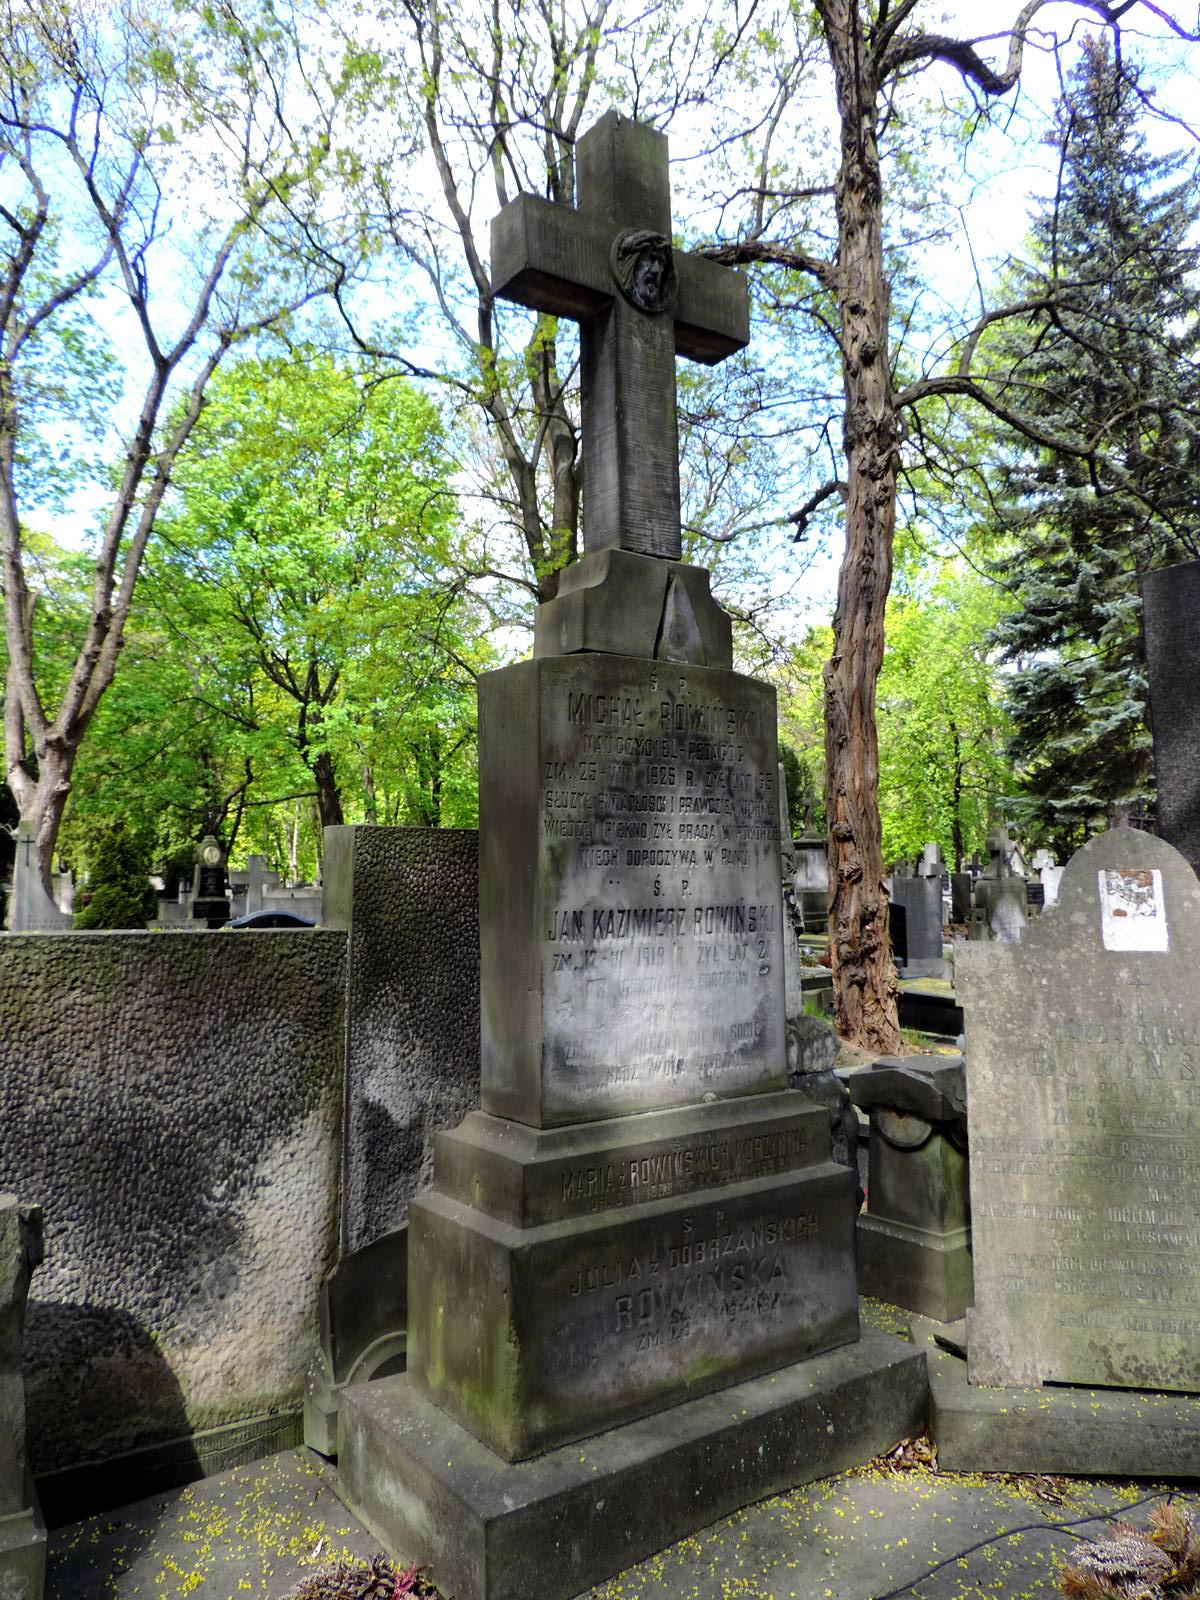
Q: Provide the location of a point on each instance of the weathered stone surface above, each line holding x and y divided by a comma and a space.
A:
630, 888
408, 899
193, 1084
812, 1047
23, 1552
616, 602
1171, 623
914, 1241
22, 1533
489, 1530
528, 1176
531, 1337
611, 266
20, 1252
1110, 1433
1083, 1072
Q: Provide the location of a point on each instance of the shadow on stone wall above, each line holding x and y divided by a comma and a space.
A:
96, 1356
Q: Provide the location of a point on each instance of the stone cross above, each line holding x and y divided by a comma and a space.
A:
608, 264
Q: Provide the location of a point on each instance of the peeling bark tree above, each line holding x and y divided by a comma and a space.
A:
871, 44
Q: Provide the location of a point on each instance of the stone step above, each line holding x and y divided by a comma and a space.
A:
486, 1529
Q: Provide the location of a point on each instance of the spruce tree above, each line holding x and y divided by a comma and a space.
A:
1110, 363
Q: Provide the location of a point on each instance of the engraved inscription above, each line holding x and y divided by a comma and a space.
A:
661, 925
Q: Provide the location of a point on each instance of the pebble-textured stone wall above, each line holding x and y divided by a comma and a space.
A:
410, 900
173, 1102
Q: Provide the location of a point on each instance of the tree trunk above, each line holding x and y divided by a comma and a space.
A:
329, 798
864, 983
957, 842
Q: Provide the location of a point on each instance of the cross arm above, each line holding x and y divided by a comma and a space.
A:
712, 319
551, 258
554, 259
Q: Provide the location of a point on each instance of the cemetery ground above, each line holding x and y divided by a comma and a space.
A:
895, 1527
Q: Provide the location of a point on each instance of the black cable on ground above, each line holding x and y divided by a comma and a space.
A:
1010, 1533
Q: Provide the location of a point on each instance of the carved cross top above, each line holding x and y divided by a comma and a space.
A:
609, 265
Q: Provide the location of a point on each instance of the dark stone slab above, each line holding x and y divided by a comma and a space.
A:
930, 1011
629, 888
1171, 622
962, 885
361, 1333
532, 1337
932, 1087
1117, 1433
489, 1530
1083, 1072
922, 902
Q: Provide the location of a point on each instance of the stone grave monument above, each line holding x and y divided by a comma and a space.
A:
1000, 904
1083, 1074
921, 897
632, 1294
914, 1241
22, 1531
30, 908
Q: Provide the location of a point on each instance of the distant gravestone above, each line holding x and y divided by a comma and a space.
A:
1083, 1077
921, 897
30, 908
962, 887
1000, 907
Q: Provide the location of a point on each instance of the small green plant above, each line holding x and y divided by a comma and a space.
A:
119, 892
1161, 1562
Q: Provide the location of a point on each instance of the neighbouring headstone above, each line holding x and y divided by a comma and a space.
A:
811, 877
22, 1532
210, 903
641, 1214
962, 888
1083, 1070
914, 1239
30, 908
1000, 908
1171, 628
1051, 879
921, 897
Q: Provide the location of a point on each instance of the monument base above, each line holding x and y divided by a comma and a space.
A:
926, 1272
23, 1551
1105, 1433
486, 1529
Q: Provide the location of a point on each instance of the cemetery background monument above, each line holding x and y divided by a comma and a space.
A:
641, 1215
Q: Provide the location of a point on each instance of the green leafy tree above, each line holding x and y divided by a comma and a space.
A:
299, 617
942, 727
162, 165
119, 893
1112, 358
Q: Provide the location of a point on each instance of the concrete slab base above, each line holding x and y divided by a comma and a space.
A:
1117, 1433
23, 1551
485, 1529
